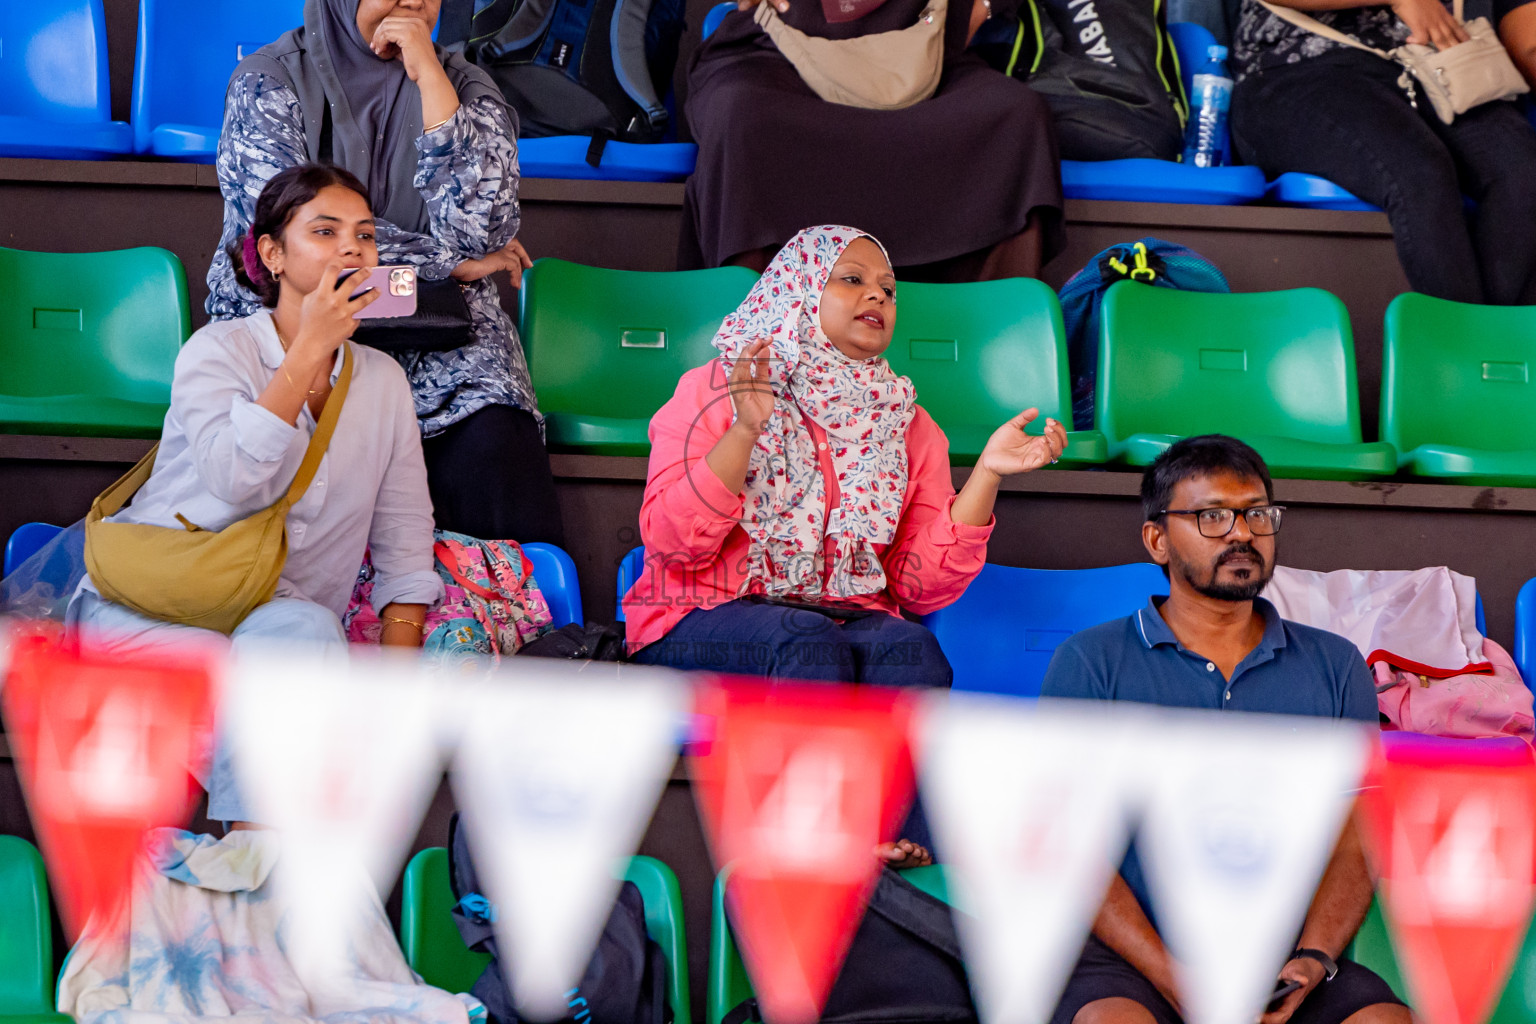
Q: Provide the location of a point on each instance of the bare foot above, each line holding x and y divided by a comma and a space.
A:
903, 853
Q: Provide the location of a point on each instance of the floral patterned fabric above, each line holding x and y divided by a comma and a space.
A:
492, 605
205, 940
468, 176
1263, 40
862, 405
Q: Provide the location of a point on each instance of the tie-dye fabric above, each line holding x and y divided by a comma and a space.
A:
861, 404
205, 939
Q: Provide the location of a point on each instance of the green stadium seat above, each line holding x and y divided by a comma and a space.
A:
980, 354
89, 340
729, 985
26, 943
433, 948
606, 347
1276, 369
1373, 948
428, 936
1456, 390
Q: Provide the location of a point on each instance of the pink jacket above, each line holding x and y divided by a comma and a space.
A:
696, 553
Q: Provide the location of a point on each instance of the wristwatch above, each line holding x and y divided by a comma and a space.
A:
1329, 967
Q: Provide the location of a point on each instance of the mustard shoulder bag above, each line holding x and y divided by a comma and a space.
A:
196, 577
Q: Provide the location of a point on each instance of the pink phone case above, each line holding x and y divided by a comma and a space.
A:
396, 287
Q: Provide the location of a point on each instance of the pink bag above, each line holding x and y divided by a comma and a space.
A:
491, 605
1469, 706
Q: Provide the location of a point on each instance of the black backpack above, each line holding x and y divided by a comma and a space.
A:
626, 980
1106, 68
904, 966
575, 67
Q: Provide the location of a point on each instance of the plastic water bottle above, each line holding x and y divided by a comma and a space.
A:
1205, 141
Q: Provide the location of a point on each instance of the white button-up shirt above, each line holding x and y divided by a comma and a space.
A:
223, 457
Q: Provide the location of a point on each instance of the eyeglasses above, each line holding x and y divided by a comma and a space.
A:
1263, 520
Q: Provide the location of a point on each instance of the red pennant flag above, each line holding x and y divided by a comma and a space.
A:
102, 744
1451, 833
799, 786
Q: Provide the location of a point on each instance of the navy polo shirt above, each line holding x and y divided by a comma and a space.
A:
1294, 670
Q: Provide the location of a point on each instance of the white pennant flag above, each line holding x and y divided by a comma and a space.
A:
1243, 813
558, 774
1029, 805
342, 757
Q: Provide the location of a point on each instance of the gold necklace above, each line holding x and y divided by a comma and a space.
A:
284, 343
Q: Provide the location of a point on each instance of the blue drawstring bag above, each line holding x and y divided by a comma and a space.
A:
1149, 260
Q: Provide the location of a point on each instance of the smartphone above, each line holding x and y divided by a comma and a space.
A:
1283, 988
396, 287
831, 609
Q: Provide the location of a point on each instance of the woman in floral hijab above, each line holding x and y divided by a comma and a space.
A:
799, 499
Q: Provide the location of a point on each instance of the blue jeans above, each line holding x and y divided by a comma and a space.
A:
779, 644
1341, 115
286, 622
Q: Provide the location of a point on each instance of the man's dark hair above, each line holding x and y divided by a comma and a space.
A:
1205, 455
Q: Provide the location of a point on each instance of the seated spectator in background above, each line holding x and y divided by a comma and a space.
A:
799, 499
362, 85
964, 185
1214, 643
1305, 103
246, 396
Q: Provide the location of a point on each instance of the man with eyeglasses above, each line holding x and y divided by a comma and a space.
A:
1214, 643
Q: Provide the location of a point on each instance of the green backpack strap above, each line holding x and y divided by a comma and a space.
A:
1021, 49
1168, 63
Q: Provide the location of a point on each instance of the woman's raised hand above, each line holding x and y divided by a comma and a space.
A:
325, 317
1009, 450
751, 387
411, 38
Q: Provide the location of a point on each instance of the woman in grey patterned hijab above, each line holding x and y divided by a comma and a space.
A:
361, 84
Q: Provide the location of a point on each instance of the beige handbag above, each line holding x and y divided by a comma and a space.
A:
1455, 80
196, 577
883, 71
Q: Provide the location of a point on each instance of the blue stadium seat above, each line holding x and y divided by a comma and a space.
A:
55, 97
1190, 44
1165, 181
1000, 635
1296, 189
629, 572
556, 575
187, 51
1160, 181
1525, 632
27, 540
715, 16
565, 156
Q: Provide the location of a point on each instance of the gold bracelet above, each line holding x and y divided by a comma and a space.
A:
418, 626
429, 131
294, 384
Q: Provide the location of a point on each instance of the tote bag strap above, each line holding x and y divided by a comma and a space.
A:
1311, 24
321, 438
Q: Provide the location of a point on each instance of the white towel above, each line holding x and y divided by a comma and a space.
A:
205, 939
1423, 620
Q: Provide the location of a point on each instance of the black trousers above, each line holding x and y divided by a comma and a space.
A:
1341, 115
489, 477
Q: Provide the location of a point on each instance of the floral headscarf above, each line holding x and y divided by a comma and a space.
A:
863, 407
